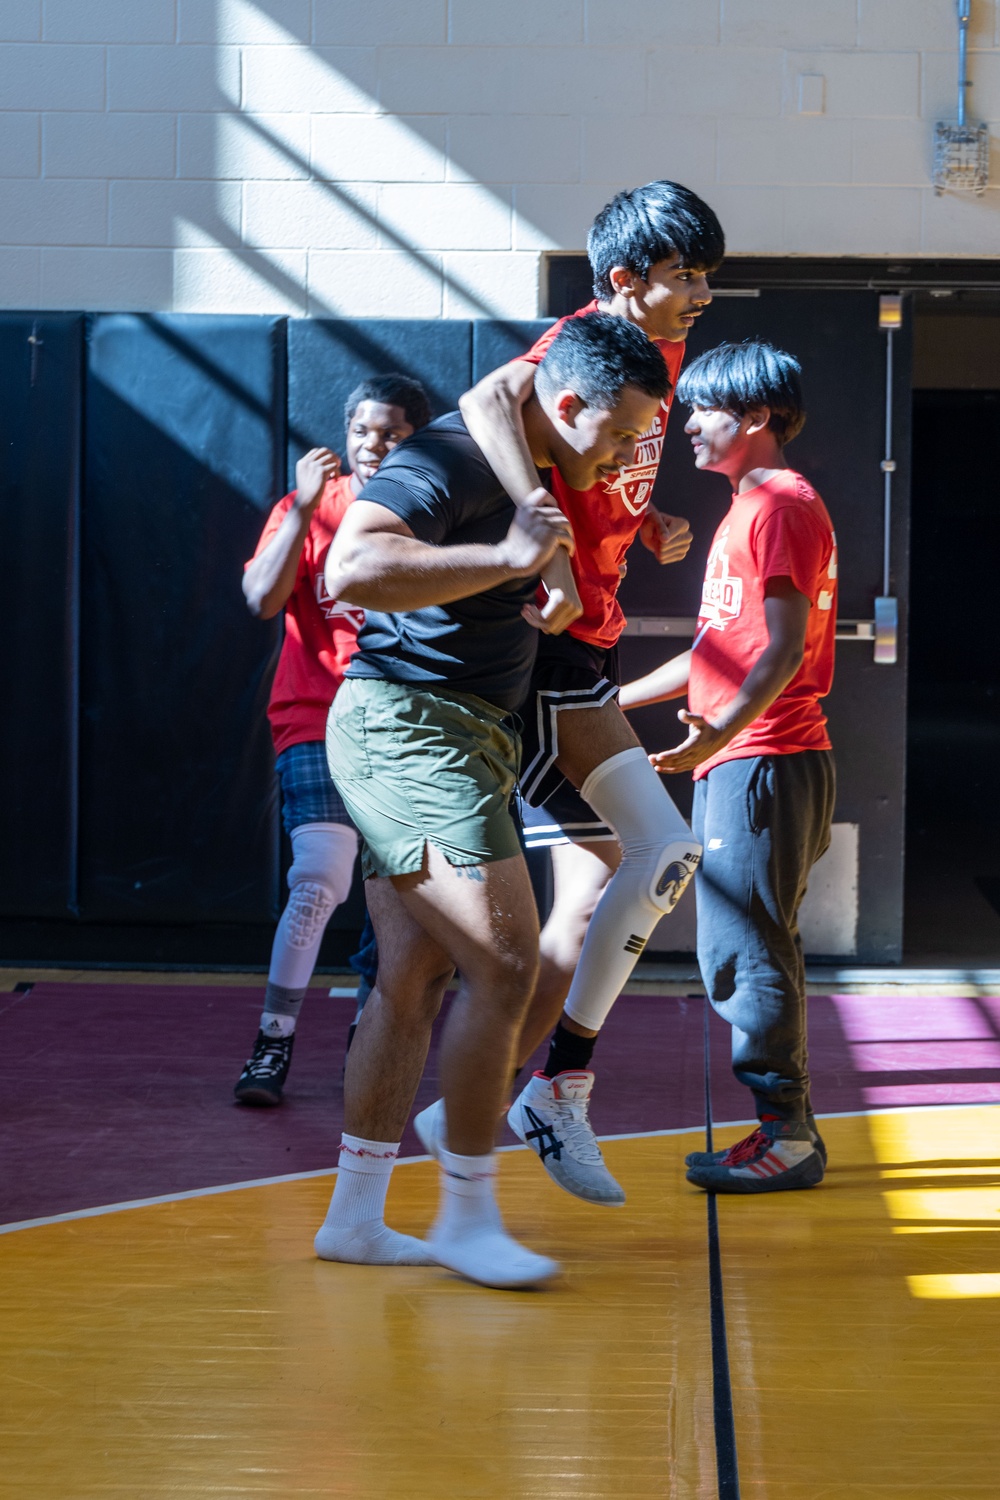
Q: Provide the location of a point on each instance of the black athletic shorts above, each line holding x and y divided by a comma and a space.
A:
568, 674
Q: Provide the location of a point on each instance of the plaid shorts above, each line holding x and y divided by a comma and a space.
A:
308, 792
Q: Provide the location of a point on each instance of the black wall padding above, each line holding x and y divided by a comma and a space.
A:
327, 357
495, 343
41, 371
185, 438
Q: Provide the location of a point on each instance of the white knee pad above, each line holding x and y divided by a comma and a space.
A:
672, 873
319, 879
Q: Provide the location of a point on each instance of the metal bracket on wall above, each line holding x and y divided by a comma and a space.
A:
890, 318
683, 627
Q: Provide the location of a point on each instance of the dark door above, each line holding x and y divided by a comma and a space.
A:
856, 906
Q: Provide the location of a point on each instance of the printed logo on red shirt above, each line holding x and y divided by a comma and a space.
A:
635, 481
722, 591
335, 609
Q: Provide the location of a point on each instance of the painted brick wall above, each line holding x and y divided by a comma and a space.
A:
416, 157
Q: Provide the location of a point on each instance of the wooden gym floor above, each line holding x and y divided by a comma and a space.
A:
169, 1334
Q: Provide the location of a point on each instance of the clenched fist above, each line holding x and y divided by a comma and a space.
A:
311, 474
534, 535
667, 537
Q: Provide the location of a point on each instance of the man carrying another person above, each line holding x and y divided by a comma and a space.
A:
584, 775
423, 743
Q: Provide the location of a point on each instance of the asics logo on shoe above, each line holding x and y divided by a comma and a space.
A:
542, 1133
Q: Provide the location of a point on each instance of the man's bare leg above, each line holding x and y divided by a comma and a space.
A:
483, 919
384, 1067
386, 1060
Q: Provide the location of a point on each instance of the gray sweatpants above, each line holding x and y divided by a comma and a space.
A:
763, 823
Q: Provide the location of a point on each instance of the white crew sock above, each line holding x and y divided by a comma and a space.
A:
468, 1236
626, 793
354, 1229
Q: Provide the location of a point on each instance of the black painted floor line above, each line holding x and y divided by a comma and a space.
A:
726, 1463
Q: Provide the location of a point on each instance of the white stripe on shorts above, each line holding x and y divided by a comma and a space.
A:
549, 702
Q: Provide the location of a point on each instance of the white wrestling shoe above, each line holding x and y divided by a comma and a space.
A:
551, 1117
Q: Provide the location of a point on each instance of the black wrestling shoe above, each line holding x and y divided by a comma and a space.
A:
263, 1077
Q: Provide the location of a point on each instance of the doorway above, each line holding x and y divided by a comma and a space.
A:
952, 888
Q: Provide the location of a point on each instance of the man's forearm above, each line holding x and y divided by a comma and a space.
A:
668, 681
397, 573
269, 580
492, 411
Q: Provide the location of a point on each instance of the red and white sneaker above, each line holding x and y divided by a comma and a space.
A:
778, 1156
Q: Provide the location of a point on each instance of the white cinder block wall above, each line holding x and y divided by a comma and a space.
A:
414, 158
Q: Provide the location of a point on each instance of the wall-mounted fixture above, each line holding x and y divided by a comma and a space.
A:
961, 151
890, 320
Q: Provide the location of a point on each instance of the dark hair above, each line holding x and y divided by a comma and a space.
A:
597, 356
740, 377
648, 224
391, 390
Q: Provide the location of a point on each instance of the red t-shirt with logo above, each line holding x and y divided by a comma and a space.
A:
606, 518
780, 529
320, 634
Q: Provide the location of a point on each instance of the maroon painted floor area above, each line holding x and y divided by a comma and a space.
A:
125, 1092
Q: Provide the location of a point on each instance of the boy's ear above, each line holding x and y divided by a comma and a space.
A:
757, 419
623, 281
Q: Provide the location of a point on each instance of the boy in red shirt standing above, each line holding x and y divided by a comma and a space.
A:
287, 573
761, 660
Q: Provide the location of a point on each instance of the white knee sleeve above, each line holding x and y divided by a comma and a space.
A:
323, 854
628, 795
319, 880
659, 857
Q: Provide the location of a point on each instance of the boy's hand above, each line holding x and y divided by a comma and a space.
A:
311, 474
563, 604
703, 741
667, 537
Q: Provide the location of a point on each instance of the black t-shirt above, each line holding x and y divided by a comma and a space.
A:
439, 483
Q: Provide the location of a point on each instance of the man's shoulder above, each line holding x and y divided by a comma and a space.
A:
444, 448
438, 461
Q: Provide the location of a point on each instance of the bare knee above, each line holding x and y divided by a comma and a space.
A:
414, 993
509, 980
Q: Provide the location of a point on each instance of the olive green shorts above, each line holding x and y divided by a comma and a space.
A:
417, 768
